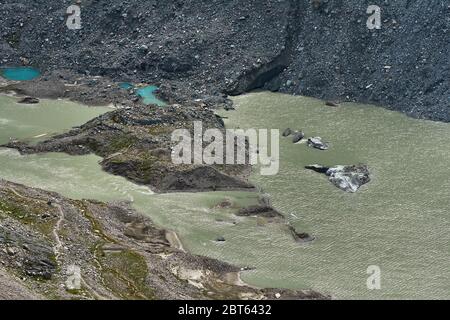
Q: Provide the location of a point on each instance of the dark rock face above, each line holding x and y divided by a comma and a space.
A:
301, 237
318, 168
260, 211
298, 136
33, 253
201, 48
200, 179
43, 268
367, 64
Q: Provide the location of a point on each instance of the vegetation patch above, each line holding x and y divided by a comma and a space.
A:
121, 142
33, 215
125, 273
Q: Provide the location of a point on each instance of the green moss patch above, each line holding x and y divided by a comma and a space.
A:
125, 273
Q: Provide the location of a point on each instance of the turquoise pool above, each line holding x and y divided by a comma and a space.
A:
146, 93
20, 73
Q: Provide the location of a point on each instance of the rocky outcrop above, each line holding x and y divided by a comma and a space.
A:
346, 178
220, 239
287, 132
349, 178
136, 143
31, 252
260, 211
119, 254
298, 136
29, 100
317, 143
331, 104
265, 210
301, 237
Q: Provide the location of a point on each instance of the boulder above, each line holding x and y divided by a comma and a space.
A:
259, 211
287, 132
331, 104
346, 178
298, 136
29, 100
301, 237
349, 178
317, 143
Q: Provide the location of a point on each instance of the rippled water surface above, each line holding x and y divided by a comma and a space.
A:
400, 221
33, 122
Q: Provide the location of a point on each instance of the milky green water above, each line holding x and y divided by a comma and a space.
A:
400, 221
33, 122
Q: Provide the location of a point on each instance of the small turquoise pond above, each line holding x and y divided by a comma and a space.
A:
146, 93
20, 73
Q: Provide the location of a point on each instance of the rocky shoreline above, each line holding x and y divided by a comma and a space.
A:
120, 254
134, 141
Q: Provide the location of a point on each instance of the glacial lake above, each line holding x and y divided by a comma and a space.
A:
399, 222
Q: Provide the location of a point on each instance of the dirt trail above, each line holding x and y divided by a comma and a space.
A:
59, 245
57, 248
